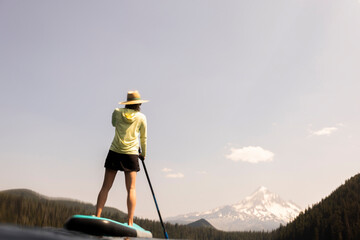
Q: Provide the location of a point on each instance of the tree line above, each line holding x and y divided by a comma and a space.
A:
26, 208
336, 217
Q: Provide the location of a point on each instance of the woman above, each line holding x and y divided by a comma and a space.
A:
123, 155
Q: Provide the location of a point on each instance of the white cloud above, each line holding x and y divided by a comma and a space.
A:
170, 173
202, 172
175, 175
250, 154
166, 170
325, 131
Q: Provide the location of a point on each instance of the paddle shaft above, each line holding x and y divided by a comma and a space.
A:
157, 207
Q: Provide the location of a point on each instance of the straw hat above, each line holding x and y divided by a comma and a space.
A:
133, 97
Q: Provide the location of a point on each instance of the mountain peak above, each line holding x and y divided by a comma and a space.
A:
262, 210
262, 189
201, 223
260, 197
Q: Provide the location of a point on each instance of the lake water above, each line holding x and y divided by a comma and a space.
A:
13, 232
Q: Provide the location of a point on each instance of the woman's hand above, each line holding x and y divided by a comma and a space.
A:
142, 158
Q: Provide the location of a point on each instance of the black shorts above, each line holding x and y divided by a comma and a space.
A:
122, 162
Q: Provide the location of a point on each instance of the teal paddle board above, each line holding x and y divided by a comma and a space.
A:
104, 227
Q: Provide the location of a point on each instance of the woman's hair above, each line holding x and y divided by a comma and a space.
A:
135, 107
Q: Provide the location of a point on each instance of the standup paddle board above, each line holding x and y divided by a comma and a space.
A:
104, 227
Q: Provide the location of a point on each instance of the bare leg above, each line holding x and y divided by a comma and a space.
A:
130, 182
107, 184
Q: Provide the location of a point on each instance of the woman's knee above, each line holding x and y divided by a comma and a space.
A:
108, 179
130, 181
106, 187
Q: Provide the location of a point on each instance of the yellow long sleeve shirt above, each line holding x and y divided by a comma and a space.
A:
129, 126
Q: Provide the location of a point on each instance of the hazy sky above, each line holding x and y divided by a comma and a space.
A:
242, 94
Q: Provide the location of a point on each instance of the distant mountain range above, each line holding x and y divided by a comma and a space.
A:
262, 210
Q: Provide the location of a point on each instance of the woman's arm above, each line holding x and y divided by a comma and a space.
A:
143, 138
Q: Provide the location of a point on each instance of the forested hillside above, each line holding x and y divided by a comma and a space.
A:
335, 217
25, 207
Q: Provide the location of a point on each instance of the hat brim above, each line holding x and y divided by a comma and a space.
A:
133, 102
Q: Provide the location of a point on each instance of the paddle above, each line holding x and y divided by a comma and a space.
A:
157, 207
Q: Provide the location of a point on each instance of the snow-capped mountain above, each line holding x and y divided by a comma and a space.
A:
262, 210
